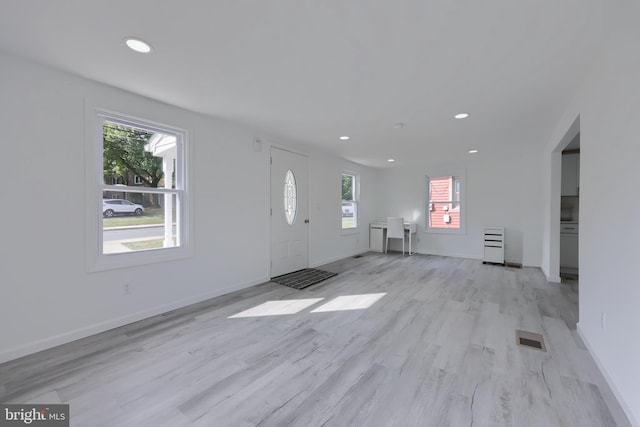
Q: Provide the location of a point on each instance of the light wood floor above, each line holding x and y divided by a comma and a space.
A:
437, 350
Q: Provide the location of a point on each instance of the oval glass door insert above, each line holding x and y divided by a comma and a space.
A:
290, 197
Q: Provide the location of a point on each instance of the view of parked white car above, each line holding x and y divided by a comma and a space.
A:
111, 207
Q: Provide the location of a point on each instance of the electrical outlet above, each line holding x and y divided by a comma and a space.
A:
603, 320
126, 288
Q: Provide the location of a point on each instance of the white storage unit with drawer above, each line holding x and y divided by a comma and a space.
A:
377, 237
568, 247
494, 245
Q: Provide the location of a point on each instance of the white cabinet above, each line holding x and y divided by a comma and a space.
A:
570, 185
377, 236
493, 245
569, 245
569, 250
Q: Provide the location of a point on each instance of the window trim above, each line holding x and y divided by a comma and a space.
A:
95, 260
355, 201
461, 174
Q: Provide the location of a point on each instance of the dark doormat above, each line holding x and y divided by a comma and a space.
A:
303, 278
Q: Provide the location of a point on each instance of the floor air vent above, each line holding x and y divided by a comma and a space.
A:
530, 340
357, 256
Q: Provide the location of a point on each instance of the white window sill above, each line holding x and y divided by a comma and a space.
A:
457, 231
133, 259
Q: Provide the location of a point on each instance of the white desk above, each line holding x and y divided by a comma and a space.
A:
378, 234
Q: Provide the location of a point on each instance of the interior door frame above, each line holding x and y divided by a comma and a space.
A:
300, 153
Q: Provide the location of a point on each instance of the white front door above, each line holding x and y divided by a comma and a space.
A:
289, 212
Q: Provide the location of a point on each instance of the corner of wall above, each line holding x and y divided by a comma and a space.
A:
550, 278
622, 413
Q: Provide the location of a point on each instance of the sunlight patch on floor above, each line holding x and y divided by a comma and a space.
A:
277, 308
350, 302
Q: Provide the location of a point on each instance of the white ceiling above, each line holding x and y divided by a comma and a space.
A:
310, 71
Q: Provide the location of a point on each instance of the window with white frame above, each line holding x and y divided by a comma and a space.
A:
445, 208
147, 219
349, 201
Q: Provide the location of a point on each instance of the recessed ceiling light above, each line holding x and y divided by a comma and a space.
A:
344, 138
391, 160
473, 151
138, 45
461, 116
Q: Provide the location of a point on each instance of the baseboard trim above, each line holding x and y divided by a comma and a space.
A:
625, 410
67, 337
512, 264
330, 260
451, 255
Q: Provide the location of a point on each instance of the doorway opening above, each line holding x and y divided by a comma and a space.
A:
570, 211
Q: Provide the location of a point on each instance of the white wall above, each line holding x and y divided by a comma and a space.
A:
500, 191
609, 110
47, 296
329, 241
